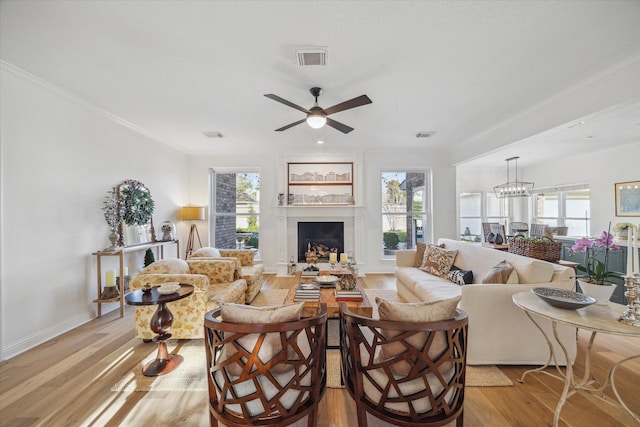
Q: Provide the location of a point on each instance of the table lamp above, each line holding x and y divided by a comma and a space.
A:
192, 213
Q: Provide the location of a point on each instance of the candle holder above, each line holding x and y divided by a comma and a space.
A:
110, 292
631, 315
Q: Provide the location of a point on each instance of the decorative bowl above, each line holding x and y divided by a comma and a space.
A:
169, 288
325, 280
563, 298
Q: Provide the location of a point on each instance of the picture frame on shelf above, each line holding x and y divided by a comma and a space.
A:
627, 198
320, 183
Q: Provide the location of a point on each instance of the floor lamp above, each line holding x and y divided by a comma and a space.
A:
192, 213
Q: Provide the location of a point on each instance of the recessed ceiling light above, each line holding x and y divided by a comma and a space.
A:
213, 134
319, 142
425, 133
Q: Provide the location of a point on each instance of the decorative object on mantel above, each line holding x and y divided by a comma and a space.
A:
513, 188
168, 230
192, 213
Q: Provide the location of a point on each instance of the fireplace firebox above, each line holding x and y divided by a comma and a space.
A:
321, 237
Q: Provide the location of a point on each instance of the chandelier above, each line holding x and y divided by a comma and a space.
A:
513, 188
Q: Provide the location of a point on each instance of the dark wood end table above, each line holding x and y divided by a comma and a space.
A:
160, 324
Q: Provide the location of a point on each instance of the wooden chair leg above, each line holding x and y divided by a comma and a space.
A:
362, 416
312, 418
213, 421
460, 420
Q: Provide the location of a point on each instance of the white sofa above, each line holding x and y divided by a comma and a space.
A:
499, 331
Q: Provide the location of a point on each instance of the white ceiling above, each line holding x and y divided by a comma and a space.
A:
471, 71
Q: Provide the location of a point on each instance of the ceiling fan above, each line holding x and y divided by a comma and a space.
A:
317, 116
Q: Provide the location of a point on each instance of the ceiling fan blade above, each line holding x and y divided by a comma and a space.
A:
340, 126
291, 125
352, 103
285, 102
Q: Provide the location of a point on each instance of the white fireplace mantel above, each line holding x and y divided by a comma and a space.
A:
289, 216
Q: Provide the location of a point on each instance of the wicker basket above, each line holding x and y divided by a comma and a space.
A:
545, 249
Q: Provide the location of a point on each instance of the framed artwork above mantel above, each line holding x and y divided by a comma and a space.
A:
628, 198
320, 183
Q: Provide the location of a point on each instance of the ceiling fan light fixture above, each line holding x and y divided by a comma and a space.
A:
316, 117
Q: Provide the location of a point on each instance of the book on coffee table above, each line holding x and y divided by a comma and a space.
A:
307, 292
343, 294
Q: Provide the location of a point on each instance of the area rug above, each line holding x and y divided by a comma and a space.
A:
190, 375
487, 376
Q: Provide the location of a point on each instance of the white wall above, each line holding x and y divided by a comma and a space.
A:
59, 158
599, 170
369, 165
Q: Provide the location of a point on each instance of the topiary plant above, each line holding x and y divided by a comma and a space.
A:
149, 258
391, 240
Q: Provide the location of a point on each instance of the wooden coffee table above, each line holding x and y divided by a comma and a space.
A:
328, 296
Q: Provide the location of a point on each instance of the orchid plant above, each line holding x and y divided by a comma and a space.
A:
596, 269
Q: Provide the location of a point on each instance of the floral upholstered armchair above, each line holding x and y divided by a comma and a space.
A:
247, 269
213, 280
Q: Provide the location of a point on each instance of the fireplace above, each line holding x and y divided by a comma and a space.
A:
321, 237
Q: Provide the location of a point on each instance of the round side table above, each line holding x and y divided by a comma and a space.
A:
160, 324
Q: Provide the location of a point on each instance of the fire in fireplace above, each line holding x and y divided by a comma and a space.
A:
321, 238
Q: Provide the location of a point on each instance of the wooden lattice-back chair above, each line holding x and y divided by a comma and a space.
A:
410, 386
265, 373
486, 229
538, 230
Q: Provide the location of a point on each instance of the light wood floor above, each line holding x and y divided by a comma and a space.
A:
67, 381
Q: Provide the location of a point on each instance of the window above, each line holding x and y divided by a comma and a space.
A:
236, 209
473, 213
404, 210
563, 207
470, 206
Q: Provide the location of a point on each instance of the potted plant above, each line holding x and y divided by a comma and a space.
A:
621, 230
595, 281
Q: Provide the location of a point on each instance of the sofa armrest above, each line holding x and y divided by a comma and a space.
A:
405, 257
199, 281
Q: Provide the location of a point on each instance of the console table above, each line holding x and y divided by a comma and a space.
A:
119, 252
594, 318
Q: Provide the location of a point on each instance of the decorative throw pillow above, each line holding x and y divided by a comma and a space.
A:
433, 311
438, 261
420, 249
206, 252
167, 266
240, 313
502, 273
460, 277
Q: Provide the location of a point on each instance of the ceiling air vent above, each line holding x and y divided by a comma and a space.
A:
212, 134
306, 56
424, 134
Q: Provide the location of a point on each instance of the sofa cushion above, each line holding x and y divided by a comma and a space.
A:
167, 266
460, 277
438, 261
415, 312
239, 313
206, 252
501, 273
436, 290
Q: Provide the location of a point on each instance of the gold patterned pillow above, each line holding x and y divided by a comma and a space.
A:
167, 266
438, 261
